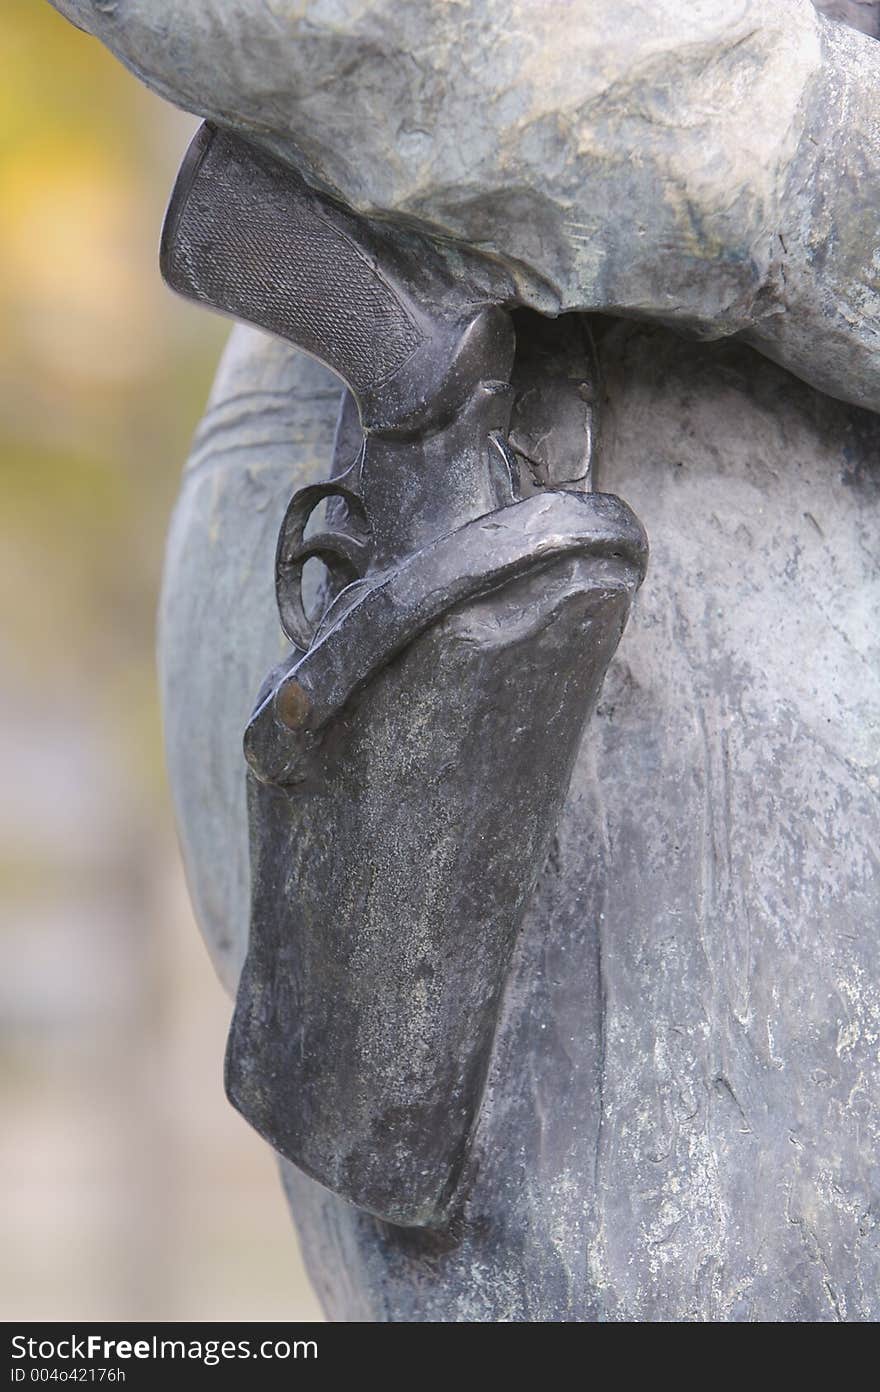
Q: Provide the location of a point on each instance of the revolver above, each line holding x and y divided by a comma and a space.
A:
408, 759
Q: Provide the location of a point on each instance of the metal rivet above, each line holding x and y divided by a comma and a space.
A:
292, 705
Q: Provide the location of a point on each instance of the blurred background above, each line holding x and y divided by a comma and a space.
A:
128, 1187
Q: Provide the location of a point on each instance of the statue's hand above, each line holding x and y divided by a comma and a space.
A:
710, 164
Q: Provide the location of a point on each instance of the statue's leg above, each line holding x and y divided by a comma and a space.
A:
681, 1117
683, 1100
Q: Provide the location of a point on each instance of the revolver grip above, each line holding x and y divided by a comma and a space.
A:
245, 235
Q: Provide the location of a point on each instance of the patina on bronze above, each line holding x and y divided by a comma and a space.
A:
409, 758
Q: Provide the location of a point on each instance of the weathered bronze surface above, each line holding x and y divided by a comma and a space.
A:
679, 1119
409, 758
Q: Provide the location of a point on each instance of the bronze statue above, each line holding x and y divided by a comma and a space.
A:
567, 1022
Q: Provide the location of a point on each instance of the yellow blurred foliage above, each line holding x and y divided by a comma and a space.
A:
128, 1188
72, 285
102, 374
